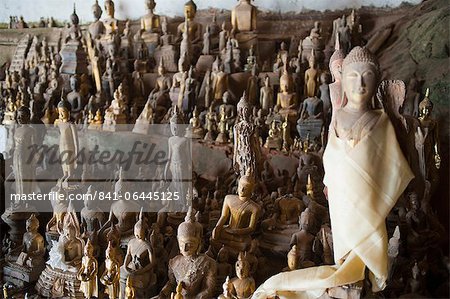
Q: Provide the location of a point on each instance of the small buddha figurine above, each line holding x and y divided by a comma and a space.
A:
195, 129
243, 17
286, 99
139, 261
145, 119
74, 97
324, 95
222, 137
194, 28
96, 28
115, 113
196, 272
238, 218
427, 140
312, 108
110, 23
211, 124
253, 87
244, 285
31, 253
150, 23
223, 37
266, 96
88, 272
411, 105
111, 275
97, 122
220, 83
286, 132
160, 94
311, 77
68, 141
206, 41
304, 240
228, 289
275, 139
186, 49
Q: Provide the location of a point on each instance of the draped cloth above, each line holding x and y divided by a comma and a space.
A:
364, 181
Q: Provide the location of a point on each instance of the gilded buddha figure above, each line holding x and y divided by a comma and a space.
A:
286, 99
150, 23
238, 218
194, 28
243, 16
110, 23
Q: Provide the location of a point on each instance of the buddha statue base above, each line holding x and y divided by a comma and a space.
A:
168, 55
95, 127
151, 40
195, 133
142, 127
21, 276
247, 40
74, 59
277, 241
233, 246
222, 138
115, 125
310, 127
56, 283
144, 288
273, 143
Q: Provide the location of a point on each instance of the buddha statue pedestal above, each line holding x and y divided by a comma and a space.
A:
309, 127
247, 40
21, 276
58, 283
352, 291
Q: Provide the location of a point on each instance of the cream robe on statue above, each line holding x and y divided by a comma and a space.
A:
364, 183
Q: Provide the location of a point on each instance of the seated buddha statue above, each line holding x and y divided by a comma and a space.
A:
150, 23
139, 262
238, 218
286, 99
194, 271
275, 138
116, 113
304, 239
110, 24
145, 119
160, 94
195, 129
59, 278
26, 262
194, 28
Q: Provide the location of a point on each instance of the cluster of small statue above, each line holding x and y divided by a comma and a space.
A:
218, 90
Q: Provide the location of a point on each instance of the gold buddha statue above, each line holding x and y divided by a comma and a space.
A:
274, 140
88, 272
238, 219
150, 23
195, 129
111, 275
287, 100
194, 28
110, 23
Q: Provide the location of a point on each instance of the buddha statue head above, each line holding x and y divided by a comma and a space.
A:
360, 75
306, 220
425, 106
113, 236
32, 223
223, 255
141, 227
336, 60
118, 186
189, 235
74, 17
89, 248
109, 251
285, 84
96, 10
242, 266
151, 4
244, 109
246, 185
161, 68
109, 8
190, 9
292, 258
23, 115
64, 108
74, 82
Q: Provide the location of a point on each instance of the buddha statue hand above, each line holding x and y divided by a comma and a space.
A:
437, 161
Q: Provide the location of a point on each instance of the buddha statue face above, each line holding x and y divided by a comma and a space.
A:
242, 269
139, 231
32, 224
64, 114
74, 83
305, 222
359, 82
96, 11
245, 188
70, 232
189, 11
189, 246
150, 4
109, 8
